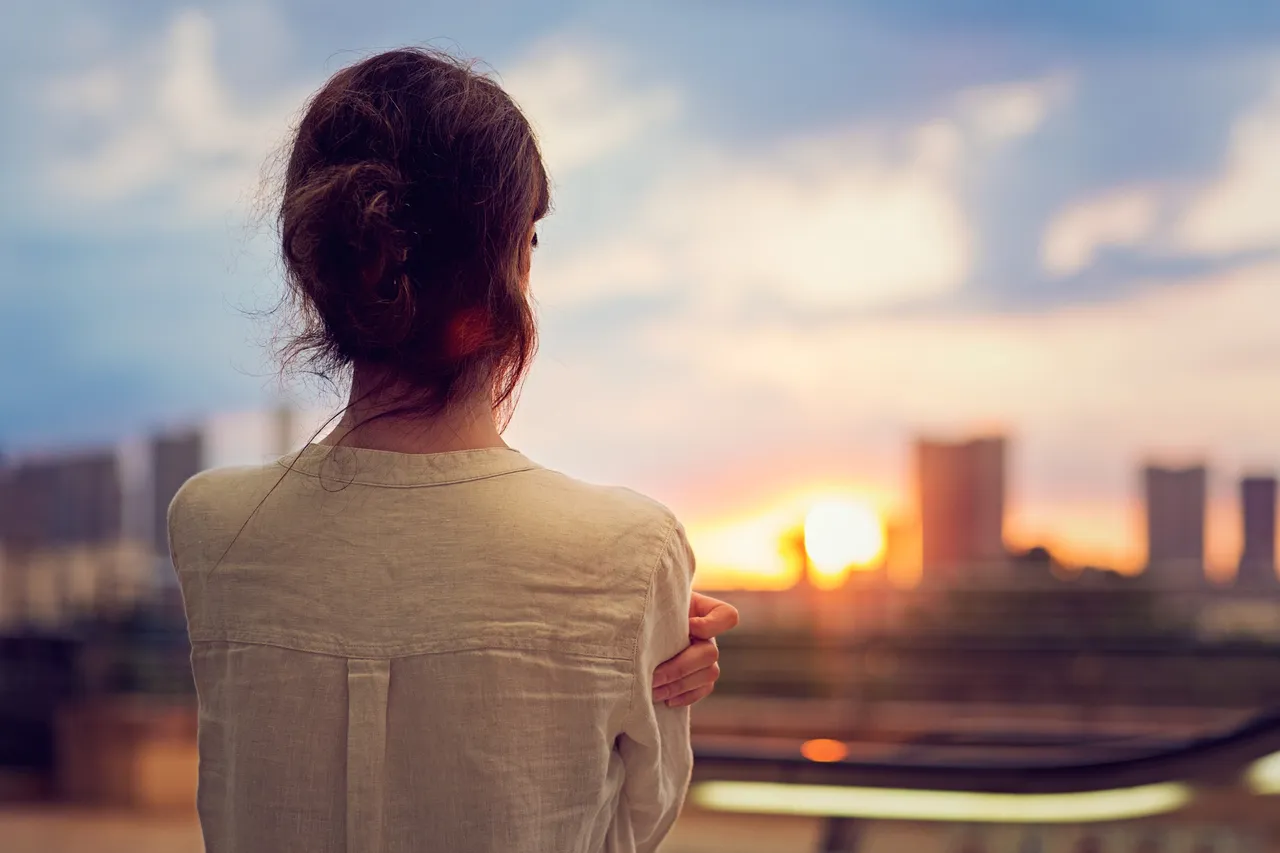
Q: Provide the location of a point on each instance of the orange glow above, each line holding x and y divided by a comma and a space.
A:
839, 535
757, 549
824, 750
744, 554
1080, 534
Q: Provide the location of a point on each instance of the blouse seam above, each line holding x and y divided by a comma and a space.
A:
644, 613
369, 654
449, 482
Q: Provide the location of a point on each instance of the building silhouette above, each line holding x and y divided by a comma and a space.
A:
1258, 515
961, 493
1176, 501
64, 548
175, 458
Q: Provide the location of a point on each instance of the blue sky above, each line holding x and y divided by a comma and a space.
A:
787, 237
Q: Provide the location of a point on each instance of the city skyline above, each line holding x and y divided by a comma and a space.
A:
951, 526
1156, 529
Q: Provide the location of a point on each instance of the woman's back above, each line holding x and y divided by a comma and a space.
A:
447, 651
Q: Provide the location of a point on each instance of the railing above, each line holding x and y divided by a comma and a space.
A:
1230, 778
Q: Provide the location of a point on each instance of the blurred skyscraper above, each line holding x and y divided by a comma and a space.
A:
1176, 506
175, 458
65, 552
1258, 513
239, 438
961, 493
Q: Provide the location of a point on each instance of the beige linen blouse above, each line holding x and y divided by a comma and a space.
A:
447, 652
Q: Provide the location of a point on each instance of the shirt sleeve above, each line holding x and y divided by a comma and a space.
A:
654, 746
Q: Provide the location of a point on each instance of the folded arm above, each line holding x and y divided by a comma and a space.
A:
691, 675
654, 744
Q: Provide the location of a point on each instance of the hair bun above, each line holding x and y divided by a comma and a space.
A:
352, 248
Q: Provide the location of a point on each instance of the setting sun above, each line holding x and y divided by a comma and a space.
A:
839, 534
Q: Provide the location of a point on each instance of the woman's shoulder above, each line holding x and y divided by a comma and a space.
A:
602, 504
206, 496
613, 523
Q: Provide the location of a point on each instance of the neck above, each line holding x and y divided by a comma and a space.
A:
467, 424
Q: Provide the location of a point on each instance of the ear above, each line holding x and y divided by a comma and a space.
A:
526, 256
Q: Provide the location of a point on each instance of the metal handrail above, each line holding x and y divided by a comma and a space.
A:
1218, 758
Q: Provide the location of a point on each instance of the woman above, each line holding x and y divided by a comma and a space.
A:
409, 636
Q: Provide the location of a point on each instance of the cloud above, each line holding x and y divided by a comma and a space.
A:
1006, 111
1160, 354
1120, 217
834, 221
1237, 210
94, 94
863, 217
582, 113
159, 120
829, 224
1230, 211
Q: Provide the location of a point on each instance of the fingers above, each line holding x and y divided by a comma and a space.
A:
677, 691
701, 604
691, 697
710, 618
699, 655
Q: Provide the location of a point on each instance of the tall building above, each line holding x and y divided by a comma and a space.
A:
64, 542
175, 458
1258, 514
961, 493
1176, 506
11, 597
62, 500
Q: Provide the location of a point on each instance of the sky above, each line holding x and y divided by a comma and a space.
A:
787, 238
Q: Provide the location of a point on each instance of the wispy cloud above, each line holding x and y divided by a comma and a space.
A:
582, 112
1238, 209
158, 122
1228, 212
1007, 111
1126, 216
868, 216
830, 222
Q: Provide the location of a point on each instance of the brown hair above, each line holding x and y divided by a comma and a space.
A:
410, 188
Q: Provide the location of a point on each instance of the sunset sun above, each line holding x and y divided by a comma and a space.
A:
839, 534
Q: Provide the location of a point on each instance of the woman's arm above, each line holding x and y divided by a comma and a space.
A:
691, 675
654, 745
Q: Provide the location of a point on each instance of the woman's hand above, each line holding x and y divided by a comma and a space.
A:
691, 675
